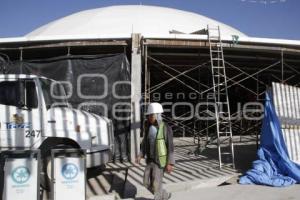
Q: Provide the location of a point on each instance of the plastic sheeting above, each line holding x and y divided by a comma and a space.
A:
90, 80
273, 167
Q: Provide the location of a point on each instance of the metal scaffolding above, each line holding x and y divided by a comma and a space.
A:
163, 74
184, 66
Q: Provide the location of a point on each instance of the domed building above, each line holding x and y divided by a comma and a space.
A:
169, 54
122, 21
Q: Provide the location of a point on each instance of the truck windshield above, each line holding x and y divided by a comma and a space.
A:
54, 93
20, 93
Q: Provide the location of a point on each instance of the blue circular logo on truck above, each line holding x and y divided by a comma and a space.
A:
69, 171
20, 175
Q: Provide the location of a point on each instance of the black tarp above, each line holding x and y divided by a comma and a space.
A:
87, 75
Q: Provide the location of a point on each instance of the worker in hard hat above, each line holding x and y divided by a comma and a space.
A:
157, 146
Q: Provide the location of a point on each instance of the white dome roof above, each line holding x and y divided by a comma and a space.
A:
122, 21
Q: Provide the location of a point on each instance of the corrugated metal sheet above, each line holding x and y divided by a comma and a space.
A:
287, 106
292, 140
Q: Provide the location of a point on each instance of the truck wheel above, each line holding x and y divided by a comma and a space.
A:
45, 179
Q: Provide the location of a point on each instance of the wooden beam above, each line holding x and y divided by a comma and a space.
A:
64, 44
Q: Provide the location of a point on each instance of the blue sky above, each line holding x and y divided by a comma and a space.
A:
259, 18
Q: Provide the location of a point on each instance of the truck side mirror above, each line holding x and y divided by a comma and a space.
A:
21, 94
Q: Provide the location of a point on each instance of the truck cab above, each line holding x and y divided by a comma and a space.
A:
35, 114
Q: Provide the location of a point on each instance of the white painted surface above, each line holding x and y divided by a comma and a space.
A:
70, 181
122, 21
20, 179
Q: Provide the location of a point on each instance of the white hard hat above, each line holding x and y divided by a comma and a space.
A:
154, 108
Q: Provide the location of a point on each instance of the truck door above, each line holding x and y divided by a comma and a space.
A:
21, 115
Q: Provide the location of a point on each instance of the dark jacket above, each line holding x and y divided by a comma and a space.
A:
145, 151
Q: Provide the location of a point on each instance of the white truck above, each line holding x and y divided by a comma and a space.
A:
34, 114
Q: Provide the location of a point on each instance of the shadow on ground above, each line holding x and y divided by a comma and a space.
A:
124, 180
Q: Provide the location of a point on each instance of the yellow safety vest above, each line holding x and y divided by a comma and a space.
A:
161, 146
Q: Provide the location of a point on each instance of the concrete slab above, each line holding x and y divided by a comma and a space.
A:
192, 171
238, 192
103, 197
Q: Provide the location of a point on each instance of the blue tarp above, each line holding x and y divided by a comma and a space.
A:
273, 167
